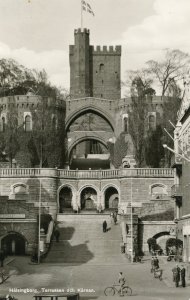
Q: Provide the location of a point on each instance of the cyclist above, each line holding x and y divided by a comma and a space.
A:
122, 281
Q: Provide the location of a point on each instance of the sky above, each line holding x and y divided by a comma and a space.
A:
37, 33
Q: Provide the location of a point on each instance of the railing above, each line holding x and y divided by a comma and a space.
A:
87, 174
27, 172
176, 190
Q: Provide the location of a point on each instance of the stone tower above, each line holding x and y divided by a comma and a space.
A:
94, 72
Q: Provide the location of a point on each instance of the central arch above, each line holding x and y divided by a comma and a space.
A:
88, 197
90, 109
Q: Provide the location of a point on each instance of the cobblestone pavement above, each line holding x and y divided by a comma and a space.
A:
94, 278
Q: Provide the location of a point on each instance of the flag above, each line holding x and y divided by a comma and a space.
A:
86, 7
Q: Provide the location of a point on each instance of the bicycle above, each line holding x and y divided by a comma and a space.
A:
111, 290
158, 273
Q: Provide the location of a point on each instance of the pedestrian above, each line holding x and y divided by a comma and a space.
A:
156, 262
2, 257
176, 275
183, 276
152, 264
57, 234
111, 216
115, 217
104, 226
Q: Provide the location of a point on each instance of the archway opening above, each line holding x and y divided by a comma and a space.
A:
65, 199
88, 199
111, 198
89, 154
161, 239
14, 244
89, 119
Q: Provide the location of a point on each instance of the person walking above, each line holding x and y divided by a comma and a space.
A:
115, 217
176, 275
104, 225
183, 283
152, 264
156, 262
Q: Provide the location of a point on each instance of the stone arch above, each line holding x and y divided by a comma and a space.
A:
86, 109
111, 198
73, 190
91, 202
14, 243
161, 238
85, 138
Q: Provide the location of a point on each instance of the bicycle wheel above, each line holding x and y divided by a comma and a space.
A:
127, 291
109, 291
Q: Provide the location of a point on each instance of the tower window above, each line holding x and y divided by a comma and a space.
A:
102, 81
151, 122
28, 123
101, 67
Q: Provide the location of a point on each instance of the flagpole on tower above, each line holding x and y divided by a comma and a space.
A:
81, 16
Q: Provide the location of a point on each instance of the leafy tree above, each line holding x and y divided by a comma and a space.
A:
48, 133
9, 138
140, 100
46, 144
118, 150
154, 151
13, 75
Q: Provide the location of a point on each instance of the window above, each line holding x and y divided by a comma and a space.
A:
158, 191
28, 123
152, 122
101, 67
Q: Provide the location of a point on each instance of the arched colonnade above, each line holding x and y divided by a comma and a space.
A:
88, 197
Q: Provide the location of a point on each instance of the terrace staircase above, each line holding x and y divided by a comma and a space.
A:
82, 241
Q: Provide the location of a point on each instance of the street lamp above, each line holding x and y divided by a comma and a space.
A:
131, 220
173, 151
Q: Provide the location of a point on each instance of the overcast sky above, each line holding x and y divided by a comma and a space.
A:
37, 33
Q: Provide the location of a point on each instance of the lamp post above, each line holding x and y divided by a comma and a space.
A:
131, 220
173, 151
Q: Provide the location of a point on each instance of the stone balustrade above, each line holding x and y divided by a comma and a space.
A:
88, 174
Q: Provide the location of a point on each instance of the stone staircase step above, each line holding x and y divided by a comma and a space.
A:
82, 240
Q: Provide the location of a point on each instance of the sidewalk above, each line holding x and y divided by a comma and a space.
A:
167, 267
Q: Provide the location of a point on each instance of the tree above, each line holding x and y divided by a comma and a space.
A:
9, 137
46, 144
154, 151
118, 150
48, 129
171, 70
140, 100
13, 75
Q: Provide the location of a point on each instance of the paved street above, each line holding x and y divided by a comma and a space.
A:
93, 277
